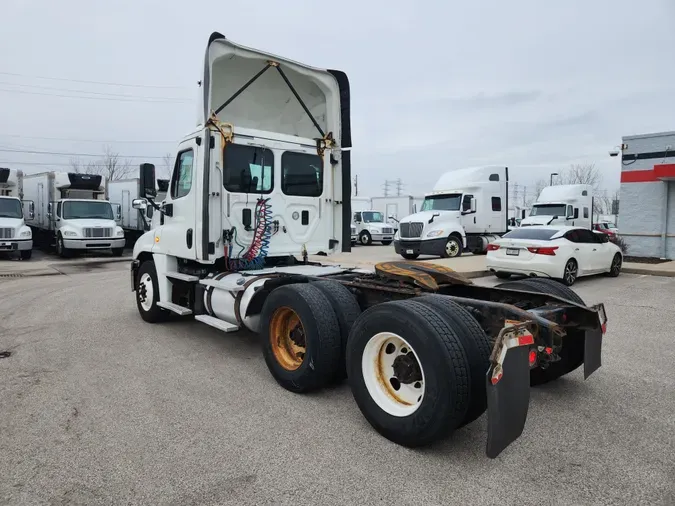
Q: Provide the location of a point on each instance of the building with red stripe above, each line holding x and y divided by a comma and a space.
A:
647, 201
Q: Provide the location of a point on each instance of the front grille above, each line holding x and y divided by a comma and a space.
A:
97, 232
6, 233
411, 229
386, 230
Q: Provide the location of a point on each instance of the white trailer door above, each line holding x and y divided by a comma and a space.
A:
129, 215
392, 211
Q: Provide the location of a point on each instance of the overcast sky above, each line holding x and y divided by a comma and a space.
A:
436, 85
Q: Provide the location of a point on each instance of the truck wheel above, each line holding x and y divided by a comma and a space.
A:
476, 346
300, 337
346, 310
409, 256
26, 254
365, 239
572, 353
61, 250
453, 247
117, 252
147, 294
408, 372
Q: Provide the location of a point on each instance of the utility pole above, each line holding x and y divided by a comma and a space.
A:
386, 188
399, 187
524, 195
356, 185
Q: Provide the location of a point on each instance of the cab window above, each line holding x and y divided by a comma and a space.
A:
301, 174
248, 169
181, 183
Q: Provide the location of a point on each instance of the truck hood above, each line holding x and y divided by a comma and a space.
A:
268, 103
536, 220
377, 225
90, 223
11, 222
425, 216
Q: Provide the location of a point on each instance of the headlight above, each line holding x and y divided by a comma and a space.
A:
435, 233
69, 233
25, 233
120, 233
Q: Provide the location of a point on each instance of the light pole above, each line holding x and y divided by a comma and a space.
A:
553, 174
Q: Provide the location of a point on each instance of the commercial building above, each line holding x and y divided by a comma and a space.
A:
647, 201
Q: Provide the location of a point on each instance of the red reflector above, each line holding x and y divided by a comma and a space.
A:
533, 357
604, 327
492, 247
548, 350
525, 340
495, 378
544, 250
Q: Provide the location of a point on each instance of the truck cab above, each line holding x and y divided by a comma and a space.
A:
15, 235
372, 226
565, 205
465, 210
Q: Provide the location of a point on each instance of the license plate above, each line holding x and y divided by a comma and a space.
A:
512, 251
409, 252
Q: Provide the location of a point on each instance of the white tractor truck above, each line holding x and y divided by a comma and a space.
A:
467, 210
372, 226
564, 205
15, 235
71, 213
263, 182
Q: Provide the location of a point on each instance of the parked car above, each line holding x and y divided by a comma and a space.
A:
605, 227
563, 253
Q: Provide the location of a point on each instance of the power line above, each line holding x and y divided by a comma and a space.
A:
94, 98
103, 93
93, 82
61, 153
87, 140
46, 164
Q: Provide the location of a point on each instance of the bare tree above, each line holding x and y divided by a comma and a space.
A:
109, 165
590, 175
538, 187
167, 165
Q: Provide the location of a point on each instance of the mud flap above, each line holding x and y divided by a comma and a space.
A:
592, 351
508, 400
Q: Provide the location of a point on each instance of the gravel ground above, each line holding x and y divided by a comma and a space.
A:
99, 407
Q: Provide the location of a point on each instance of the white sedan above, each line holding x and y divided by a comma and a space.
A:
563, 253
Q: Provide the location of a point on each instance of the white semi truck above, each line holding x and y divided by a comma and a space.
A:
134, 222
569, 204
71, 213
263, 182
467, 210
15, 235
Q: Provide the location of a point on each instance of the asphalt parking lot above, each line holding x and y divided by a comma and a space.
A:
99, 407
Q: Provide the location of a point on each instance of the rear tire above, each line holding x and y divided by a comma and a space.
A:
572, 352
347, 310
147, 294
615, 267
476, 346
300, 337
571, 272
425, 347
26, 254
117, 252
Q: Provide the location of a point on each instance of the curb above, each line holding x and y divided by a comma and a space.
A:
648, 272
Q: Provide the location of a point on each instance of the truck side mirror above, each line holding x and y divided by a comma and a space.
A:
117, 208
50, 214
140, 204
473, 205
148, 185
30, 213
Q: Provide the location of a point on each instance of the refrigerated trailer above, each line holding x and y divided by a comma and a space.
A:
15, 235
262, 183
395, 208
134, 222
71, 213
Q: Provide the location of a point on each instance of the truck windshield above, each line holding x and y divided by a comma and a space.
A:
10, 208
548, 210
372, 217
83, 209
450, 202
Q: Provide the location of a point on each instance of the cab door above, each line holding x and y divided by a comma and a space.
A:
179, 236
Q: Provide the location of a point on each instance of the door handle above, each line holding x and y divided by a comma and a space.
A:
576, 249
188, 238
474, 219
595, 249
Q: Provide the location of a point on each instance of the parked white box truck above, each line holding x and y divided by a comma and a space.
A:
15, 235
71, 213
395, 208
568, 204
467, 209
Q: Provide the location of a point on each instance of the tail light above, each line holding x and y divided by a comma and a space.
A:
544, 250
492, 247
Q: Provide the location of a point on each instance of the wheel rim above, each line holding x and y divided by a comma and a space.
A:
393, 374
146, 292
570, 272
616, 264
59, 245
365, 239
287, 337
451, 248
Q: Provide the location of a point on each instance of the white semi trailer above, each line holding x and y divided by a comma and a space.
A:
71, 213
467, 210
15, 235
264, 181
